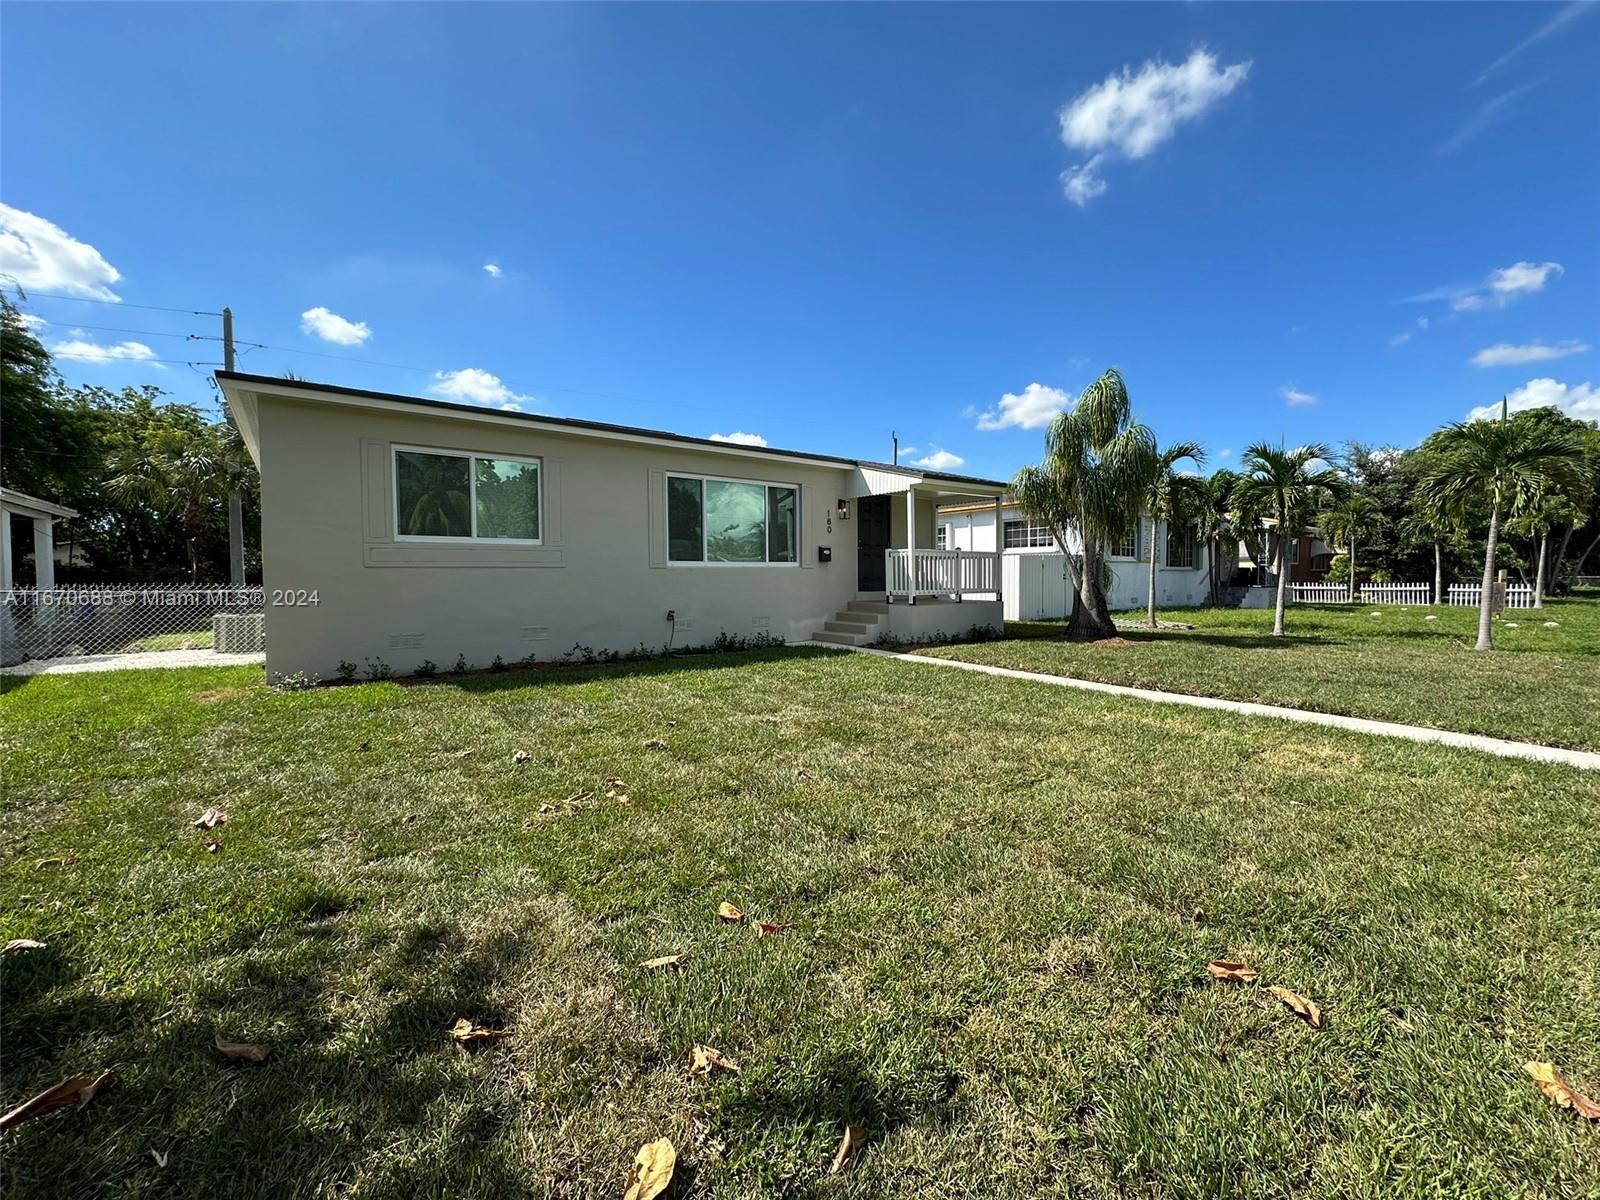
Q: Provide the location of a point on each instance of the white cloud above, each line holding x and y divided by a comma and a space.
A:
473, 386
1032, 408
331, 327
493, 269
1130, 114
940, 460
1486, 115
1581, 400
1400, 339
35, 253
740, 438
1503, 354
1562, 16
1296, 398
83, 350
1224, 453
1502, 286
31, 320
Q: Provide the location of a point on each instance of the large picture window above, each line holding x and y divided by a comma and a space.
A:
731, 521
444, 495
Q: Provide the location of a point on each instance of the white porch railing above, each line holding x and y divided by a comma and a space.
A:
1518, 595
911, 573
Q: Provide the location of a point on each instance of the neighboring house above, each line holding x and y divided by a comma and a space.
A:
1309, 559
1033, 573
404, 529
41, 517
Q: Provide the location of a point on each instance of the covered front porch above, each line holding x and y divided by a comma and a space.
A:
908, 587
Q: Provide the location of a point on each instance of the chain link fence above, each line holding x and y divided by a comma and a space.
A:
99, 619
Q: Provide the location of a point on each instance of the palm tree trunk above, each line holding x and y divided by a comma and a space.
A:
1577, 567
1438, 573
1214, 550
1091, 617
1538, 576
1283, 584
1555, 563
1150, 614
1485, 624
1352, 568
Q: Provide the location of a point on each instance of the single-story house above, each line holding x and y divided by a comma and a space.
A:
41, 517
1033, 574
403, 529
1309, 558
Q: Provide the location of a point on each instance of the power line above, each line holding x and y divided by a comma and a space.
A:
141, 332
193, 312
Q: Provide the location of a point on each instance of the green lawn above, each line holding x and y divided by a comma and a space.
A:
1005, 896
1540, 685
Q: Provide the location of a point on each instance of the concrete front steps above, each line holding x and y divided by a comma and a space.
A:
856, 625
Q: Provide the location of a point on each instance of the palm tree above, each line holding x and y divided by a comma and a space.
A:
1214, 523
1507, 462
182, 472
1168, 493
1346, 523
1289, 485
1097, 465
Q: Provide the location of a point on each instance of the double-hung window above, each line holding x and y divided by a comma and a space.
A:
732, 521
1180, 546
1127, 546
1026, 535
450, 495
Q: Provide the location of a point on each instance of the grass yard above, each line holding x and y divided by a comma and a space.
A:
1540, 684
1004, 898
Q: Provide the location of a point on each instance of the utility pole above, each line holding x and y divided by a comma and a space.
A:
895, 438
235, 501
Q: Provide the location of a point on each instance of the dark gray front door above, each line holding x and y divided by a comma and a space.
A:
872, 539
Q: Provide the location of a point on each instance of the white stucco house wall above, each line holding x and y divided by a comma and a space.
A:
1033, 573
405, 530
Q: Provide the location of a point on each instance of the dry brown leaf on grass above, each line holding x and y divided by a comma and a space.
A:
1306, 1010
16, 944
729, 912
1232, 972
77, 1091
768, 928
465, 1033
855, 1136
1554, 1085
704, 1059
666, 960
520, 757
66, 860
656, 744
213, 847
210, 819
652, 1170
246, 1051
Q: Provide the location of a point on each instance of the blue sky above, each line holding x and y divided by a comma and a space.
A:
818, 224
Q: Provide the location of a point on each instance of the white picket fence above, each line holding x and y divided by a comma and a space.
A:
1369, 593
1518, 595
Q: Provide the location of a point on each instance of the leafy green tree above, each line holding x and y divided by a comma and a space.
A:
1289, 486
1344, 524
1169, 496
1507, 461
1098, 462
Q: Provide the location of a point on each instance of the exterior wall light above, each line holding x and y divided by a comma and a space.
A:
844, 509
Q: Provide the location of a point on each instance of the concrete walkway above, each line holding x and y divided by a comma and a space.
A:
1584, 760
79, 664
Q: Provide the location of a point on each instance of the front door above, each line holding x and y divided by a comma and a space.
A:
872, 539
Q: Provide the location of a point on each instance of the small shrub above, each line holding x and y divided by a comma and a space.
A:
295, 681
499, 664
427, 669
347, 671
461, 663
378, 670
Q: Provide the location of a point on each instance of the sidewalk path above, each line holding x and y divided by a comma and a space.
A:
1584, 760
79, 664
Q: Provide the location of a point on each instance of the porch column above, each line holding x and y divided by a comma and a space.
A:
999, 547
5, 549
44, 556
911, 539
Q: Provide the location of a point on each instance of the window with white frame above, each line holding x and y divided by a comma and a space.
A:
1026, 535
1180, 546
1127, 546
451, 495
731, 521
941, 537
